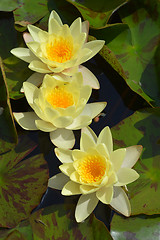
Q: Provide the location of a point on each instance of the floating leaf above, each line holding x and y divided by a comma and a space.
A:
30, 12
135, 228
142, 128
135, 49
97, 12
22, 182
8, 5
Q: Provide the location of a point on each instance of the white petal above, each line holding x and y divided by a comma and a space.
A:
93, 109
34, 32
85, 206
90, 133
105, 137
117, 157
102, 149
58, 181
132, 155
64, 155
38, 66
62, 121
24, 53
71, 188
36, 79
105, 194
55, 16
85, 28
63, 138
120, 202
76, 27
54, 27
95, 46
29, 90
126, 176
45, 126
26, 120
80, 122
86, 142
89, 78
27, 37
67, 168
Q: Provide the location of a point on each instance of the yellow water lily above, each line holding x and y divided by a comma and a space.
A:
61, 49
60, 106
97, 172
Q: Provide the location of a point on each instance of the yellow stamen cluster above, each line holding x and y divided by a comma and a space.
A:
60, 50
92, 169
59, 97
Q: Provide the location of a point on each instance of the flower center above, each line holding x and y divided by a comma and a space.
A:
59, 97
60, 50
92, 169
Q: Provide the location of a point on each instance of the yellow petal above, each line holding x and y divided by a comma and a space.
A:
71, 188
88, 77
93, 109
76, 27
63, 121
29, 90
63, 138
85, 206
45, 126
90, 133
39, 66
67, 168
78, 154
64, 155
54, 15
86, 189
34, 32
24, 53
80, 122
26, 120
95, 46
105, 137
86, 142
126, 176
58, 181
117, 157
36, 79
120, 202
105, 194
132, 155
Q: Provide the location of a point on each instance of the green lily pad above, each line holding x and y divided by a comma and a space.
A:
142, 128
30, 12
8, 5
99, 12
135, 49
22, 182
56, 222
135, 228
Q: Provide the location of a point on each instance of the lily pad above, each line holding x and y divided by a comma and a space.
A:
135, 49
8, 5
135, 228
142, 128
56, 222
99, 12
22, 182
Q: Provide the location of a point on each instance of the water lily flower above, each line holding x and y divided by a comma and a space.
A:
97, 172
61, 49
59, 107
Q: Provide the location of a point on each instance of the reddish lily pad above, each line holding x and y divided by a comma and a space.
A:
22, 182
135, 228
97, 13
142, 128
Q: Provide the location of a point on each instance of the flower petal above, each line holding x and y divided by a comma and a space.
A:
76, 27
71, 188
105, 194
86, 142
63, 121
117, 157
29, 90
85, 206
64, 155
34, 32
105, 137
45, 126
86, 189
90, 133
95, 46
63, 138
40, 67
80, 122
132, 155
126, 176
102, 149
24, 53
58, 181
26, 120
120, 202
85, 28
93, 109
67, 168
27, 37
54, 27
77, 154
89, 78
36, 79
55, 16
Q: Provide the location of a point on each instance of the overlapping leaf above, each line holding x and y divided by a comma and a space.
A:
99, 12
56, 222
135, 228
8, 5
22, 182
142, 128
